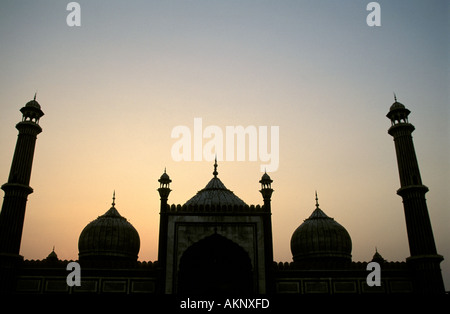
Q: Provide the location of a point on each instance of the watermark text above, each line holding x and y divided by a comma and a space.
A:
374, 17
235, 143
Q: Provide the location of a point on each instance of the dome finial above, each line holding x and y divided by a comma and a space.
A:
114, 198
215, 173
34, 98
317, 201
395, 97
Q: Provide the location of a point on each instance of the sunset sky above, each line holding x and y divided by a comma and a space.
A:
114, 88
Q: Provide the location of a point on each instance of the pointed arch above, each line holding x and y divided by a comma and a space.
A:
215, 265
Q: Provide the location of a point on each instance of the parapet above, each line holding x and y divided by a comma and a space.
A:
215, 209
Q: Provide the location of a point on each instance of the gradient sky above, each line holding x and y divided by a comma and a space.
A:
113, 89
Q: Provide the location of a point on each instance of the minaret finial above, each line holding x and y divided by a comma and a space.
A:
317, 201
215, 173
114, 198
34, 98
395, 97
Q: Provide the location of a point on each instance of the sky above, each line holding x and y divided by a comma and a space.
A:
114, 89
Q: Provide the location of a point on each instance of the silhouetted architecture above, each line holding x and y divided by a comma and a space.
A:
424, 259
321, 240
109, 238
217, 244
17, 190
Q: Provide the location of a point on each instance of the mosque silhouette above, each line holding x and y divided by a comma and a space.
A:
215, 243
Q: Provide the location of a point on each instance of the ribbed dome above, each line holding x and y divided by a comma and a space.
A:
32, 111
110, 237
320, 238
397, 108
215, 193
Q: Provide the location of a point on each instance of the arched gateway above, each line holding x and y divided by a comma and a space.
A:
215, 265
215, 243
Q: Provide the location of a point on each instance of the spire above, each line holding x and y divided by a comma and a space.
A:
377, 257
317, 201
215, 173
114, 199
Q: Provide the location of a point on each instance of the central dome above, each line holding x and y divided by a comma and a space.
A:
320, 238
109, 237
215, 193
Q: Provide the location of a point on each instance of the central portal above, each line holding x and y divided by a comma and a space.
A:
215, 265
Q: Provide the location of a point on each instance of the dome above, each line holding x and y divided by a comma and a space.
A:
33, 103
398, 113
266, 181
52, 257
377, 257
321, 238
110, 236
164, 179
266, 177
32, 111
396, 105
215, 193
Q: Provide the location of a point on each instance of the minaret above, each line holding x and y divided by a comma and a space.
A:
266, 191
17, 190
424, 260
164, 191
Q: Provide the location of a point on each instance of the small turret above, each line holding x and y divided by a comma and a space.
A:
266, 187
164, 187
